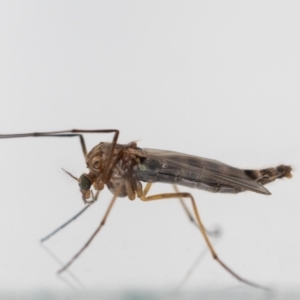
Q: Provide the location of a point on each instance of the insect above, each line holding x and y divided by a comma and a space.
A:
123, 168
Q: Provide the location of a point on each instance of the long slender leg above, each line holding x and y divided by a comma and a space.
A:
185, 208
202, 230
102, 223
146, 189
81, 139
48, 236
191, 218
211, 233
70, 133
214, 233
189, 215
45, 134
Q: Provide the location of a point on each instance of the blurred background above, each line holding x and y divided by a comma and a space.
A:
217, 79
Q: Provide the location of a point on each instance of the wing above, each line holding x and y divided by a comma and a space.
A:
198, 168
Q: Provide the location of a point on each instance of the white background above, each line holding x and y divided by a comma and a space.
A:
217, 79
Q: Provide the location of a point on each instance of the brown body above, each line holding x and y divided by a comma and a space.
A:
132, 165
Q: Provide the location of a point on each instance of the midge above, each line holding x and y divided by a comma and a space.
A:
122, 168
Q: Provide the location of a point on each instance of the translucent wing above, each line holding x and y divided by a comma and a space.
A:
198, 168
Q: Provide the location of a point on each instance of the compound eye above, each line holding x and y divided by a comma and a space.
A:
84, 182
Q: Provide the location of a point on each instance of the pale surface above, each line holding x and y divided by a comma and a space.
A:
217, 79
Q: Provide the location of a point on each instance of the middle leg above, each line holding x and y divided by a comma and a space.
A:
202, 230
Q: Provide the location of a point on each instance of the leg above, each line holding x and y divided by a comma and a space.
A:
215, 232
48, 134
102, 223
69, 133
47, 237
202, 230
191, 218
